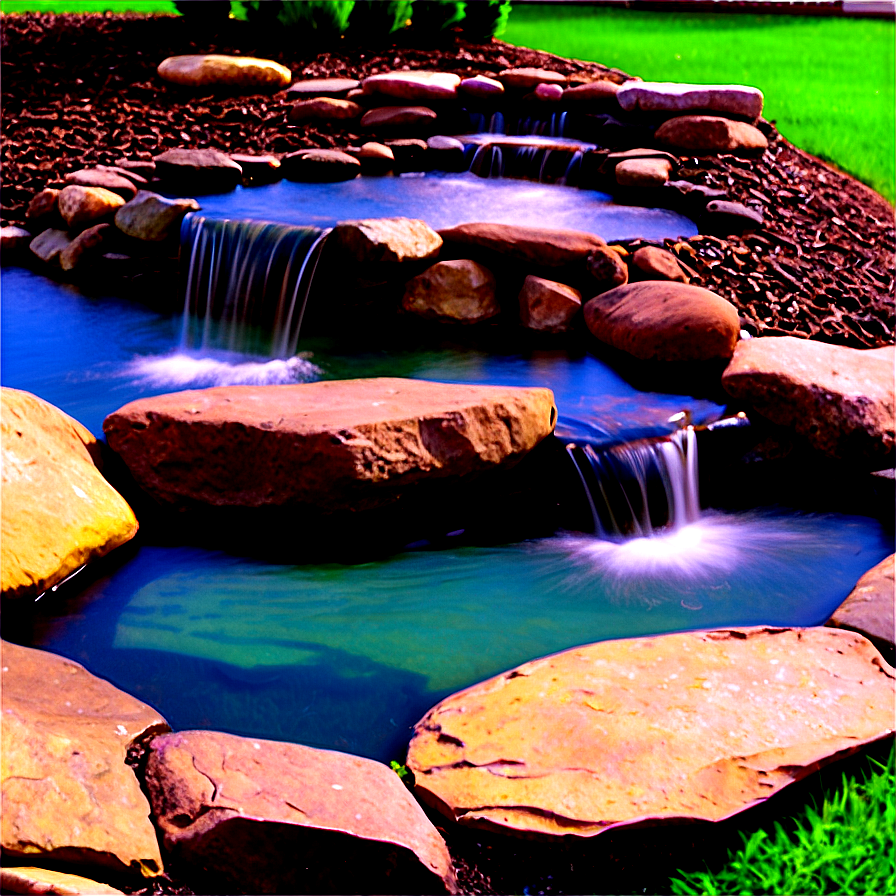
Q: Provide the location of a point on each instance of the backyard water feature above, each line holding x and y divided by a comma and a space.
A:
349, 655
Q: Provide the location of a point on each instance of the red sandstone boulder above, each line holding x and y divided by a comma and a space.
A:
841, 399
659, 321
548, 306
82, 206
870, 608
708, 134
349, 444
270, 817
460, 291
68, 794
674, 727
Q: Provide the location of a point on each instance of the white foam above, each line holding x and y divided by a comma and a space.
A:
181, 370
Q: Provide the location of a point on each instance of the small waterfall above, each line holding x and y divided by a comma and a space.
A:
245, 284
640, 488
487, 161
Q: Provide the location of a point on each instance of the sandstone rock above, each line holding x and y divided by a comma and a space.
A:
644, 173
43, 206
460, 291
658, 264
725, 218
661, 321
151, 217
335, 445
196, 171
67, 793
137, 179
597, 93
324, 109
375, 158
550, 93
85, 244
284, 818
481, 87
840, 399
393, 117
870, 608
335, 88
14, 241
530, 78
607, 268
390, 240
108, 180
533, 245
707, 134
668, 96
232, 72
49, 245
548, 306
42, 882
144, 167
414, 87
673, 727
58, 513
82, 206
263, 169
320, 166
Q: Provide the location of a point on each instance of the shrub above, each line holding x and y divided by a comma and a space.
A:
375, 20
317, 18
429, 18
485, 19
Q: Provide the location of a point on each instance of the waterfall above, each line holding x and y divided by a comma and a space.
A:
245, 284
639, 488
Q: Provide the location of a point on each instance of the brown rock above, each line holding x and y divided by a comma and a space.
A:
668, 96
82, 206
43, 207
607, 268
533, 245
601, 94
137, 179
108, 180
263, 169
42, 882
14, 241
329, 445
143, 167
870, 608
324, 109
548, 306
392, 117
530, 78
320, 166
85, 244
841, 399
707, 134
390, 240
662, 321
460, 291
151, 217
614, 158
375, 158
335, 88
50, 244
643, 173
67, 792
233, 72
673, 727
283, 818
195, 171
414, 87
58, 513
658, 264
482, 87
550, 93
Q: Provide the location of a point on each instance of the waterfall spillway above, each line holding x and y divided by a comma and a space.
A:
538, 158
245, 284
640, 488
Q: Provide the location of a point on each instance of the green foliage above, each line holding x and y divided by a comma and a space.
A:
430, 18
485, 19
845, 847
403, 772
260, 12
143, 7
375, 20
326, 18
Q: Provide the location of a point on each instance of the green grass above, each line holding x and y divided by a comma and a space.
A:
828, 82
146, 7
846, 846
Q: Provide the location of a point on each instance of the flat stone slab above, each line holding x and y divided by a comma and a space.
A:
841, 399
198, 170
347, 444
529, 78
415, 87
389, 240
67, 793
58, 512
284, 818
632, 732
335, 88
870, 608
43, 882
393, 117
669, 96
234, 72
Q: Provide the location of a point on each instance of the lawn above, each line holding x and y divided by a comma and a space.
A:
828, 82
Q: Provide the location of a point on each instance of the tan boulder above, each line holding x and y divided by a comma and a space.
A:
43, 206
393, 117
43, 882
49, 245
82, 206
324, 109
346, 444
530, 78
481, 86
260, 169
68, 794
644, 173
391, 240
375, 158
597, 93
413, 87
234, 72
105, 178
606, 267
707, 134
534, 245
685, 726
658, 264
273, 817
548, 306
151, 217
460, 291
88, 242
58, 513
669, 96
660, 321
841, 399
870, 608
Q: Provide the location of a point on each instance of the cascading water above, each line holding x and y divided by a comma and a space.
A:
542, 159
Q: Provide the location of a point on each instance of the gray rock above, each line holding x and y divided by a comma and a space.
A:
14, 241
870, 608
722, 218
108, 180
151, 217
320, 166
196, 171
48, 246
